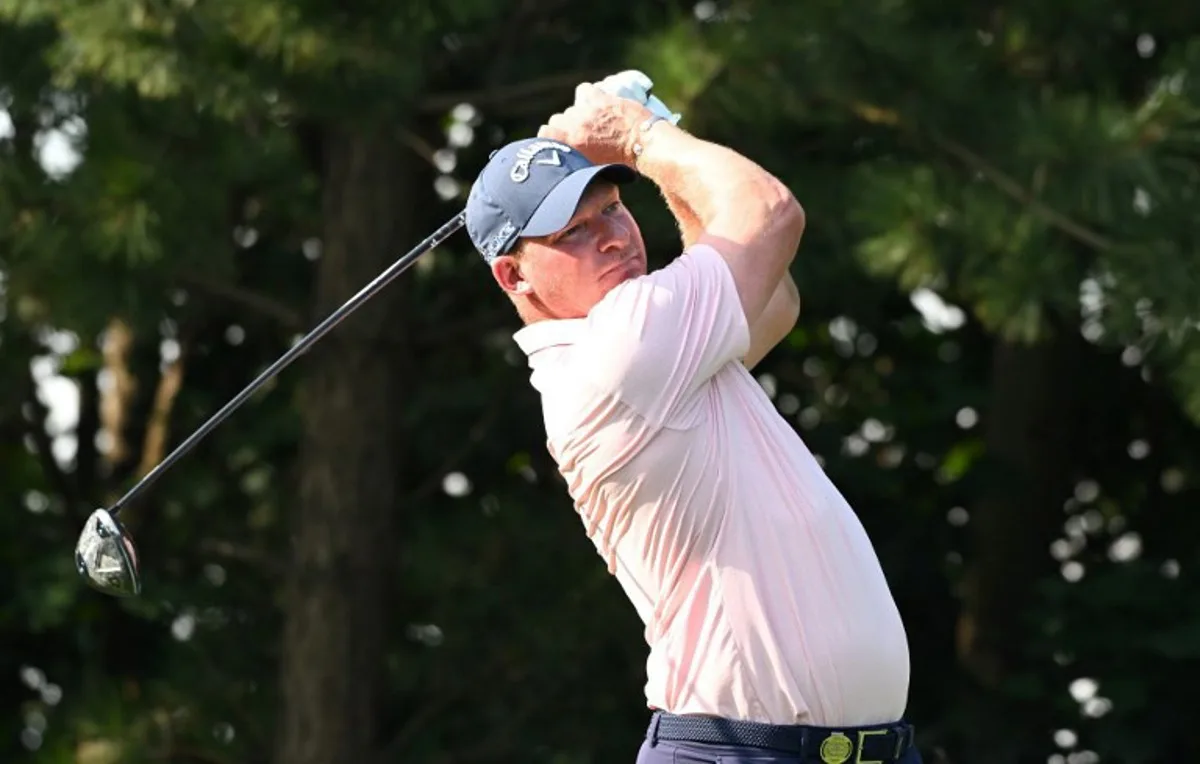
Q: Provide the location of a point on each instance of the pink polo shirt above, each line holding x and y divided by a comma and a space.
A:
761, 594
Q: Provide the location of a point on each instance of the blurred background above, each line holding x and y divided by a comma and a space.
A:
374, 560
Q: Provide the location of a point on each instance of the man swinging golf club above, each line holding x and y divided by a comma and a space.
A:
773, 635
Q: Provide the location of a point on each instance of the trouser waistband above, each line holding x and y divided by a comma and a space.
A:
871, 744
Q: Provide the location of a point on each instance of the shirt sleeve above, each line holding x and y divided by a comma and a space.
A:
653, 341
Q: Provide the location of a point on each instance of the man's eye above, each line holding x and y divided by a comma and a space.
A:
612, 208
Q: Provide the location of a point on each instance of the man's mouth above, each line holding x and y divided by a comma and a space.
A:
626, 264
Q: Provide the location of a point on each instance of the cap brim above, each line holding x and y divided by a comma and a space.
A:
557, 209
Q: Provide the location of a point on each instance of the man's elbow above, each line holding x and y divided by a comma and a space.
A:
791, 221
791, 307
783, 223
793, 302
784, 307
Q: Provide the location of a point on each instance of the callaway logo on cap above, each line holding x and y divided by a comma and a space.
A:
529, 154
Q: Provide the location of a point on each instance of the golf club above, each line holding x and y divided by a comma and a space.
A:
105, 554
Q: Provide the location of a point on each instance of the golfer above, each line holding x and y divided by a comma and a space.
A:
773, 636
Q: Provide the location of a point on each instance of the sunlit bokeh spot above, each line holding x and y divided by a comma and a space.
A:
456, 484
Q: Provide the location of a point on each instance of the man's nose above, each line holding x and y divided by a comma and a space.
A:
616, 235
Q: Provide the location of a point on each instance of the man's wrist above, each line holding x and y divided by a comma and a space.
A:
639, 134
643, 135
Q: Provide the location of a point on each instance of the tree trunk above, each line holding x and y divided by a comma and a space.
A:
337, 585
1029, 433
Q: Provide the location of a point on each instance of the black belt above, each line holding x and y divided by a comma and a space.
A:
874, 744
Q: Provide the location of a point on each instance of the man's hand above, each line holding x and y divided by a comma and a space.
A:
600, 126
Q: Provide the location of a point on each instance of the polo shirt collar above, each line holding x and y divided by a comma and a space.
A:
548, 333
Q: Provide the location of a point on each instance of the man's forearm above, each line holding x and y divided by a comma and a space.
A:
776, 321
690, 227
716, 189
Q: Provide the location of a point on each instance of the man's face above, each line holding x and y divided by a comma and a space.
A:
568, 272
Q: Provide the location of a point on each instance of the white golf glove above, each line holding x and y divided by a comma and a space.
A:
636, 86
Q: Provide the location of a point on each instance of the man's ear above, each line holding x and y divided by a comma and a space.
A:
507, 272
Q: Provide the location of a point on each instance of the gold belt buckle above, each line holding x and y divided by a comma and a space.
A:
836, 748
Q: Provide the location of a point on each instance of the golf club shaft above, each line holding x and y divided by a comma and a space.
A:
370, 290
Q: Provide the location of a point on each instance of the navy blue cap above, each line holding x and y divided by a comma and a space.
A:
530, 187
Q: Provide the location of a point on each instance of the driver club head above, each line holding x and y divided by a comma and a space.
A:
105, 556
